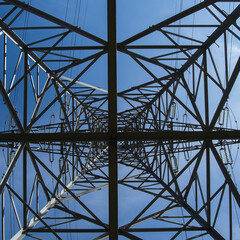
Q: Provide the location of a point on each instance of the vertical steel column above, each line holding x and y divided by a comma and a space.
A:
112, 121
3, 216
230, 215
73, 169
226, 58
206, 100
25, 99
5, 62
37, 80
208, 171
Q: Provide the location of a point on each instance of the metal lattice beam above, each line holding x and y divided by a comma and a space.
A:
77, 156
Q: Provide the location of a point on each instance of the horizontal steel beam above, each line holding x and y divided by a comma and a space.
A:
67, 48
78, 230
158, 47
173, 229
127, 136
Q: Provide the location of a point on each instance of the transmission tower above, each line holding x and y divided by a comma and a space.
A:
110, 138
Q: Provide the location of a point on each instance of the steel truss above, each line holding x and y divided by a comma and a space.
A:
75, 165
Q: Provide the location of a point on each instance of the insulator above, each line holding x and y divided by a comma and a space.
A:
185, 116
11, 156
61, 114
61, 111
187, 147
52, 118
224, 156
51, 155
172, 112
61, 162
221, 118
12, 123
174, 163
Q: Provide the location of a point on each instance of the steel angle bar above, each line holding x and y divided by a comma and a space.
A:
10, 107
15, 38
5, 61
15, 72
61, 198
192, 25
150, 60
63, 108
64, 199
165, 229
22, 45
9, 13
55, 20
24, 155
175, 182
226, 93
76, 215
34, 213
184, 228
32, 83
166, 77
168, 21
144, 67
157, 196
14, 209
129, 235
102, 236
230, 19
187, 207
3, 215
38, 61
219, 205
197, 116
84, 84
195, 216
10, 167
188, 56
184, 204
72, 230
43, 49
82, 172
112, 120
151, 216
34, 186
184, 37
158, 47
67, 190
225, 173
121, 136
194, 172
200, 210
53, 204
35, 117
36, 28
192, 99
39, 175
45, 39
78, 62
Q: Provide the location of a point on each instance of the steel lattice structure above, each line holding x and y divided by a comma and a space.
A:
152, 160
